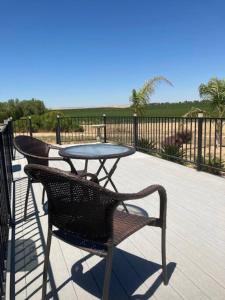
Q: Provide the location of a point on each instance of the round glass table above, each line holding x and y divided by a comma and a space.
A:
101, 152
96, 151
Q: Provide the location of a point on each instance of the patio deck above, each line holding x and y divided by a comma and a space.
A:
195, 240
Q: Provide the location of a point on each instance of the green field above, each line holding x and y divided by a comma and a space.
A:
154, 110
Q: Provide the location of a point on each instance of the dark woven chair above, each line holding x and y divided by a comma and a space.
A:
84, 215
37, 152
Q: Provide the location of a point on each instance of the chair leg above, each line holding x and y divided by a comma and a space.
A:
43, 196
125, 208
163, 245
46, 262
108, 271
27, 197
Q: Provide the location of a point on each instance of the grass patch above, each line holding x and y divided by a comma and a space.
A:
154, 110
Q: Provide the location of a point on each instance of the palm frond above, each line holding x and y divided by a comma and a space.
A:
149, 86
140, 98
214, 91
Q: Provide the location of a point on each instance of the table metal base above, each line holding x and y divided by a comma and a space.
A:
108, 175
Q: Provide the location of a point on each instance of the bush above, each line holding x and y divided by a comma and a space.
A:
146, 145
213, 166
180, 138
184, 137
172, 152
67, 125
47, 122
21, 125
16, 109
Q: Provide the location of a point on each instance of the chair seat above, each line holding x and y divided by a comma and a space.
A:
124, 224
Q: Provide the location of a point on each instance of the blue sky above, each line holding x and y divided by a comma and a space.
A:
94, 52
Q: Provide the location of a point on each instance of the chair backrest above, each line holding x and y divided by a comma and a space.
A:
75, 204
29, 146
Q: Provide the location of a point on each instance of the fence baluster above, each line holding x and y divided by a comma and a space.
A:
104, 129
30, 126
199, 157
58, 131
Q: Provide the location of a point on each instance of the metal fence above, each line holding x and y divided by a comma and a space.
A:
195, 140
79, 129
200, 141
5, 196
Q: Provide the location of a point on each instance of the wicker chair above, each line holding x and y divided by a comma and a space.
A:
85, 216
37, 152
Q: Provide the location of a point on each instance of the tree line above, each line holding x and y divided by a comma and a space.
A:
17, 109
42, 118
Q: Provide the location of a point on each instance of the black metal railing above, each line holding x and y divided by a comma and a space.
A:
79, 129
6, 154
200, 141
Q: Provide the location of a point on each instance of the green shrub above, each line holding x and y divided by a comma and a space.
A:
68, 125
21, 125
45, 122
16, 109
172, 152
145, 145
213, 166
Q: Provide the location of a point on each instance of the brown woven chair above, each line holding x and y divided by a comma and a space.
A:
37, 152
85, 216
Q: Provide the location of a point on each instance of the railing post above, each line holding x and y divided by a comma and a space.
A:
30, 126
4, 173
58, 131
199, 157
10, 126
135, 130
104, 122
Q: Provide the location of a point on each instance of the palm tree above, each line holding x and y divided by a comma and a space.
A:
140, 98
214, 91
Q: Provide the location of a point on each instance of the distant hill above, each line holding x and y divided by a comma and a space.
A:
154, 109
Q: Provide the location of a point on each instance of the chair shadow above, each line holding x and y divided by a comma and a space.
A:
132, 282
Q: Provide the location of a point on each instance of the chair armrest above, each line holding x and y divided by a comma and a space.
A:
54, 158
161, 221
42, 157
54, 147
143, 193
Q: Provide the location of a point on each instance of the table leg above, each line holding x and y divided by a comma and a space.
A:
109, 179
102, 162
73, 170
86, 165
110, 173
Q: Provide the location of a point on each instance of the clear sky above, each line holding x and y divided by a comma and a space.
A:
94, 52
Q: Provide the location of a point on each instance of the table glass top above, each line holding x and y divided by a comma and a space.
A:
96, 151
